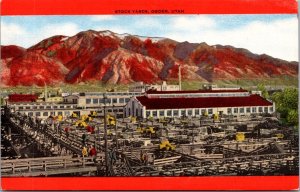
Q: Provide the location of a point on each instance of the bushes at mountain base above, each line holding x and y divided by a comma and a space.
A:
287, 105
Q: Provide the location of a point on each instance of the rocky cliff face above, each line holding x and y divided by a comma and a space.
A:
113, 58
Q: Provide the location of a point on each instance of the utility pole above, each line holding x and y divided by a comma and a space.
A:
116, 134
105, 136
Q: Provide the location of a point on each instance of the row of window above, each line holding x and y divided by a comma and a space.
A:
47, 114
107, 101
189, 112
46, 107
250, 110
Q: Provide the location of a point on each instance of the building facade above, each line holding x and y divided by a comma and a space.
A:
82, 103
142, 87
196, 103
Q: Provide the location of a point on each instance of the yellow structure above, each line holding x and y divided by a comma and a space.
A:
86, 118
216, 117
81, 123
279, 135
74, 115
146, 130
111, 120
59, 117
94, 114
166, 145
240, 136
133, 119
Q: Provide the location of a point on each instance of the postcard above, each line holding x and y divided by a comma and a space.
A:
149, 95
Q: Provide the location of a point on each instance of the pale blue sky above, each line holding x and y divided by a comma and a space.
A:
275, 35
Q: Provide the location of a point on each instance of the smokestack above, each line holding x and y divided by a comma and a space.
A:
179, 77
45, 93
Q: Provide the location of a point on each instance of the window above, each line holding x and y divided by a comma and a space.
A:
121, 100
235, 110
161, 113
59, 113
41, 107
190, 112
253, 109
183, 112
260, 109
203, 111
229, 110
38, 114
67, 113
175, 112
20, 107
147, 113
115, 100
242, 110
154, 113
61, 107
108, 100
126, 100
74, 100
68, 106
271, 110
45, 114
95, 101
210, 111
248, 110
34, 107
266, 109
88, 101
27, 107
169, 113
52, 113
48, 107
196, 111
30, 114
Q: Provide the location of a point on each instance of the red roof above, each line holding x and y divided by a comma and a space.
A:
202, 102
197, 91
22, 98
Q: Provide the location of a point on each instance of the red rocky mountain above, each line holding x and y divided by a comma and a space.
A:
113, 58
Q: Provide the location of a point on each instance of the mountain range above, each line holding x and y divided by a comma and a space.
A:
92, 56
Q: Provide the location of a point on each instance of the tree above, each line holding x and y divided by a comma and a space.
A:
264, 92
287, 105
292, 117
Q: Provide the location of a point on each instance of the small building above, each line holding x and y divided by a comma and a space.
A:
196, 103
71, 99
141, 87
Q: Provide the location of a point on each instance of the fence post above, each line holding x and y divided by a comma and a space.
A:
29, 166
83, 161
45, 165
65, 162
13, 168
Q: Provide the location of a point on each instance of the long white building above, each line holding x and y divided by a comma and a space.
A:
196, 103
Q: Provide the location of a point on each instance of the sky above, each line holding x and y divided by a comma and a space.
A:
275, 35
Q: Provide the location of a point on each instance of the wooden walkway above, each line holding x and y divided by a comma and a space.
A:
47, 166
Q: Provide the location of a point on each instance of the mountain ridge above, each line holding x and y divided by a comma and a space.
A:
123, 58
